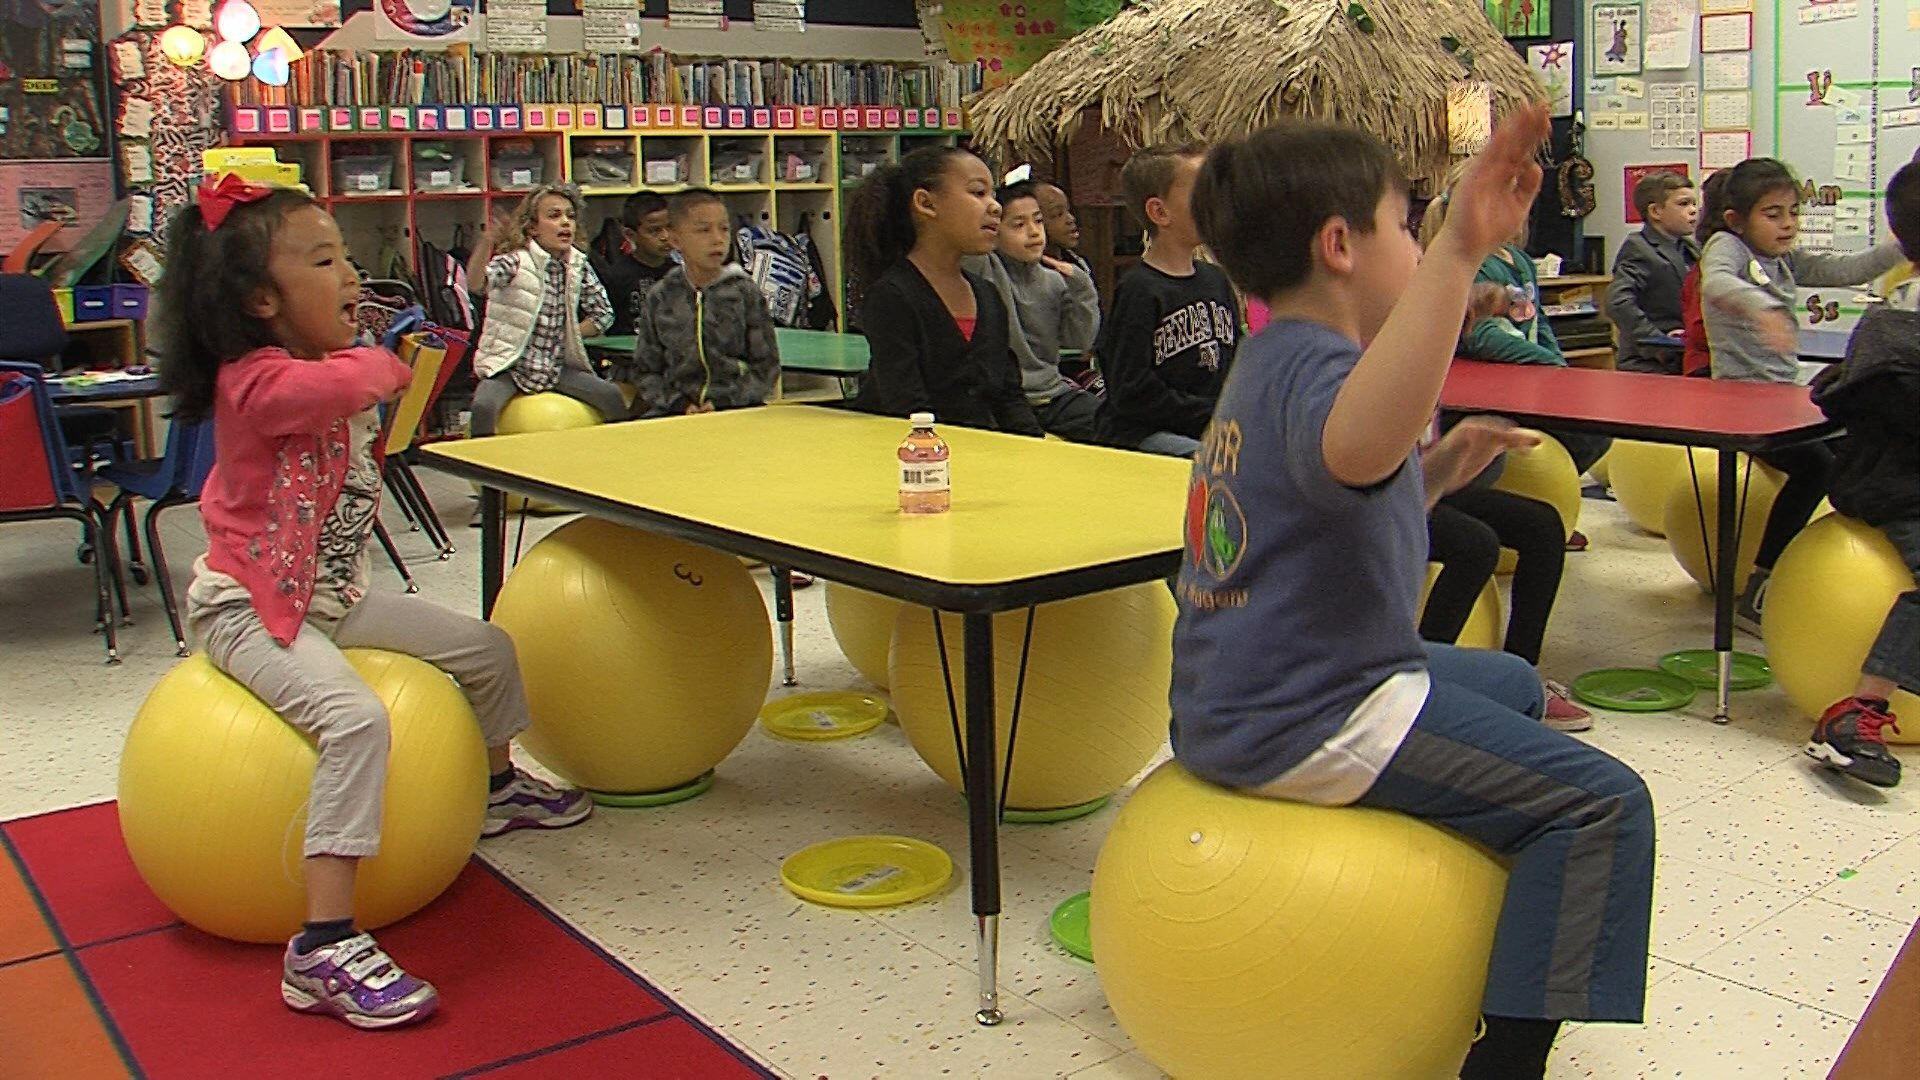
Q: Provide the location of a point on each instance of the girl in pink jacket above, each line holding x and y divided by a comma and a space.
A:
255, 328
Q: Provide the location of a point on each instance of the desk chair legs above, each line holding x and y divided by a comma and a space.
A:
162, 575
414, 504
393, 554
783, 612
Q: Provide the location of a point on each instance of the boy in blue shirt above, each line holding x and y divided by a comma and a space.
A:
1311, 473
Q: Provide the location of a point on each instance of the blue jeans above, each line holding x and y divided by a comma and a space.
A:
1575, 825
1896, 652
1170, 444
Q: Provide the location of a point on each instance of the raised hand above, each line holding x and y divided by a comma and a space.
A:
1494, 197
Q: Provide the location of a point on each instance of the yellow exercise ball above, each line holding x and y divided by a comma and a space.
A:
1546, 473
213, 799
646, 658
1093, 711
1246, 937
862, 622
1643, 475
1486, 623
1828, 596
529, 413
1599, 469
1684, 515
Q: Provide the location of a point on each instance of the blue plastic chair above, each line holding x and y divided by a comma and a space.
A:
33, 333
70, 498
173, 480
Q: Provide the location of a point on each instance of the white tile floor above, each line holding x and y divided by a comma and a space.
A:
1783, 893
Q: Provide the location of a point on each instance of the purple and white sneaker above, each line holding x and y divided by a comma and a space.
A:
356, 981
528, 802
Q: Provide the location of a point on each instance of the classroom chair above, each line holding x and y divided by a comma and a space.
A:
172, 480
37, 483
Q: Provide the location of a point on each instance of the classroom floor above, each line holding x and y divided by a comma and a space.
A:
1784, 892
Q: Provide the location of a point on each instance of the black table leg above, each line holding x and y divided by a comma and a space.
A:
1729, 550
493, 547
983, 809
783, 614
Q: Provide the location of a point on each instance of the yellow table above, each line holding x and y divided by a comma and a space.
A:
818, 489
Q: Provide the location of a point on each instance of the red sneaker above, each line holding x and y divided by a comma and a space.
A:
1562, 714
1848, 739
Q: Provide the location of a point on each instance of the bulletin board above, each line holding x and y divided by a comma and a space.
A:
51, 90
1846, 118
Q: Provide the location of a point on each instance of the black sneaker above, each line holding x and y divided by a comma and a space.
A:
1747, 606
1848, 738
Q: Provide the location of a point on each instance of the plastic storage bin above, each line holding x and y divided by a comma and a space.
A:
92, 303
603, 162
731, 166
803, 167
363, 174
667, 170
63, 299
516, 166
436, 167
129, 302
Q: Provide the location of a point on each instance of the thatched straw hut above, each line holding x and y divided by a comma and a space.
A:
1203, 70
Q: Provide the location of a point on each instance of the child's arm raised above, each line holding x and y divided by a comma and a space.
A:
477, 262
283, 395
1387, 400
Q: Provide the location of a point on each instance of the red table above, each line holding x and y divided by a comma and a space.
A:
1728, 417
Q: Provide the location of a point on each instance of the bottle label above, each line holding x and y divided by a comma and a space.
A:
921, 477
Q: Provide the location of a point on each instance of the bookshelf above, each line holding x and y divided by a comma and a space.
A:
425, 171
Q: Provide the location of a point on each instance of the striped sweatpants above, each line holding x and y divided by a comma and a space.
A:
1576, 824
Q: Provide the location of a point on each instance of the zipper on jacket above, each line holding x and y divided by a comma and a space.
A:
700, 341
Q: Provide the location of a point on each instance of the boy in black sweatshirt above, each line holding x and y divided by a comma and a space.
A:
1170, 338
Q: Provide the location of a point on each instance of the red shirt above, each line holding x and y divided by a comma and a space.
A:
966, 323
1697, 357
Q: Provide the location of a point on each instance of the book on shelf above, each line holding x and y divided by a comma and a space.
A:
459, 76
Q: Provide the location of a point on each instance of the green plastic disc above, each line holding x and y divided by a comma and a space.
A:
1069, 926
1633, 690
1701, 667
1058, 813
817, 717
697, 786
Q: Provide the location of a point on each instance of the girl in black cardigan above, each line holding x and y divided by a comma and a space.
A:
938, 335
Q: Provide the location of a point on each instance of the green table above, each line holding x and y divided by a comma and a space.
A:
809, 352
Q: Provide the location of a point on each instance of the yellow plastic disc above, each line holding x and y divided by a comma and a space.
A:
828, 714
867, 871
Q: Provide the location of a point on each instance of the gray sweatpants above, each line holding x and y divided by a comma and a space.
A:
492, 395
311, 685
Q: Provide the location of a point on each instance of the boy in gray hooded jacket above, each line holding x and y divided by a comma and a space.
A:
703, 340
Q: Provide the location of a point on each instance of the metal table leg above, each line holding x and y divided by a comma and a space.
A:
783, 613
983, 809
1729, 551
493, 547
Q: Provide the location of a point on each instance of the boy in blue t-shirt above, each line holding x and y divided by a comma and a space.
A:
1312, 473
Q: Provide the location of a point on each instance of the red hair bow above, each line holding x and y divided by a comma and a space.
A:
218, 197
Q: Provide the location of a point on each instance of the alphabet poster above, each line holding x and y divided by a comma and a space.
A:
1616, 40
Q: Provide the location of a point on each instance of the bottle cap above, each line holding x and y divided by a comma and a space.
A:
922, 419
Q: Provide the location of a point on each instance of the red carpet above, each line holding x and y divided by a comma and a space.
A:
97, 979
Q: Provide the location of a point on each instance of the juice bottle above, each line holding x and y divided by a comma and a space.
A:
925, 487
